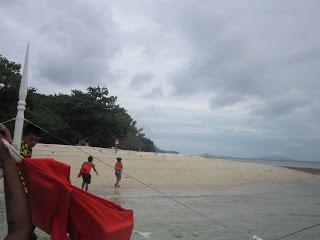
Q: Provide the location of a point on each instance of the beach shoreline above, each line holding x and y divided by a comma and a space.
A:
156, 170
314, 171
166, 170
170, 173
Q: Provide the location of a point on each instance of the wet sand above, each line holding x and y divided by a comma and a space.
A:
266, 210
315, 171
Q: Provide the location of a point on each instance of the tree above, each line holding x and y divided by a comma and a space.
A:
93, 116
9, 87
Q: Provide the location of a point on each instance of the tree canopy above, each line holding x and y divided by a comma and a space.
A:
92, 117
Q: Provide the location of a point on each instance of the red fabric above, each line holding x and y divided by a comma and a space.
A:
86, 167
58, 207
118, 165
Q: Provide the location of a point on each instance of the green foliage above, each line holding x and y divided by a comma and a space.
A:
91, 117
9, 87
137, 142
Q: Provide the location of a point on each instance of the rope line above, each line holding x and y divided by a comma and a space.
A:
10, 120
145, 184
293, 233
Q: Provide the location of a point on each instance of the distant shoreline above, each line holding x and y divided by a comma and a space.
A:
263, 159
168, 170
280, 163
315, 171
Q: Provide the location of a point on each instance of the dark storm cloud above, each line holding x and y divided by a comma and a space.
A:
226, 99
72, 43
156, 92
283, 104
6, 3
139, 80
262, 52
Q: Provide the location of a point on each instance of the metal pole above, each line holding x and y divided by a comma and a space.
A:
21, 104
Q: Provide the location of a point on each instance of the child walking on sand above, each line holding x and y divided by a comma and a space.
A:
118, 170
85, 173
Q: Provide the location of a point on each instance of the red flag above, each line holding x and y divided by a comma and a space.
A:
59, 208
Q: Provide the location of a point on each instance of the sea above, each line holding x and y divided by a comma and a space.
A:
286, 163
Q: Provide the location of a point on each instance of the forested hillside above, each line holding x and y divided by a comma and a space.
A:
92, 117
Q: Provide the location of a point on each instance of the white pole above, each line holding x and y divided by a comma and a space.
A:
18, 128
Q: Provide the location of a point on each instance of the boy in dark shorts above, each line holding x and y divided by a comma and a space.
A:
118, 170
31, 136
85, 173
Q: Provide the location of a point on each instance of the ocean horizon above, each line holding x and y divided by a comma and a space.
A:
279, 163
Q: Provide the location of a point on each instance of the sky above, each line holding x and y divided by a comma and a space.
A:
235, 78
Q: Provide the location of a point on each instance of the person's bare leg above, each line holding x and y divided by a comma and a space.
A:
118, 181
82, 186
17, 208
86, 187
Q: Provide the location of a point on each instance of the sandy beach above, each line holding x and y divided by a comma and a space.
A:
230, 186
167, 170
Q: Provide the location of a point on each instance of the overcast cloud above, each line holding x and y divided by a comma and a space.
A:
234, 77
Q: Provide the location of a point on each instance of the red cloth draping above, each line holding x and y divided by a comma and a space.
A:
59, 208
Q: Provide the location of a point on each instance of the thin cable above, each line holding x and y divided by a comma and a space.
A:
10, 120
60, 139
144, 184
293, 233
